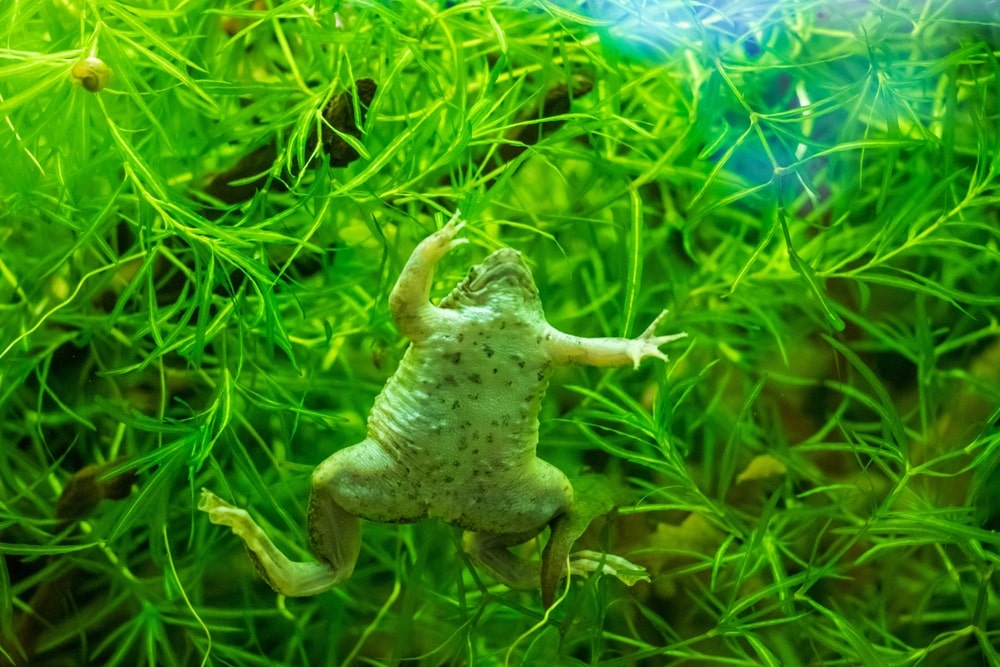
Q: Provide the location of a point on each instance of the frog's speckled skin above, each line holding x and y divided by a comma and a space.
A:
453, 433
459, 418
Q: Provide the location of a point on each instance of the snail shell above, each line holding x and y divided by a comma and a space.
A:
92, 73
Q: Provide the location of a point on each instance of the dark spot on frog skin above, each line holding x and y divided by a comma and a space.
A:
488, 350
455, 405
475, 378
455, 358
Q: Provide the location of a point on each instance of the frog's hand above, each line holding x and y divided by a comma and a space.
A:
285, 576
648, 343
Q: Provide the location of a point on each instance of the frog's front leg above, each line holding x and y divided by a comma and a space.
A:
409, 301
566, 348
286, 576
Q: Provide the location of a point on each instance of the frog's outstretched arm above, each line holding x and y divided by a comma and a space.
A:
565, 348
409, 301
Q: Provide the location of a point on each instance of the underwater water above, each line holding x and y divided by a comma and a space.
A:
224, 224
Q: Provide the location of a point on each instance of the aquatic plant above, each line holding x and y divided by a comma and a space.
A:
203, 206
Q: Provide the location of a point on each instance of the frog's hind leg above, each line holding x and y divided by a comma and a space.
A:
524, 508
491, 553
359, 481
285, 576
334, 533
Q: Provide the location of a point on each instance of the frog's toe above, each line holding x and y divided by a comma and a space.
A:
455, 223
209, 502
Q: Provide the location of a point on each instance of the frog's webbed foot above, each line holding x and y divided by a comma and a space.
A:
585, 563
559, 563
491, 554
285, 576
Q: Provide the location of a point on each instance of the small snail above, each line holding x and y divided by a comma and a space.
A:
92, 73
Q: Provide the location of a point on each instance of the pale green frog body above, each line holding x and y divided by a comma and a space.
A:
453, 433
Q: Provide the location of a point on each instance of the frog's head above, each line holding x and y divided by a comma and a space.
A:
502, 280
